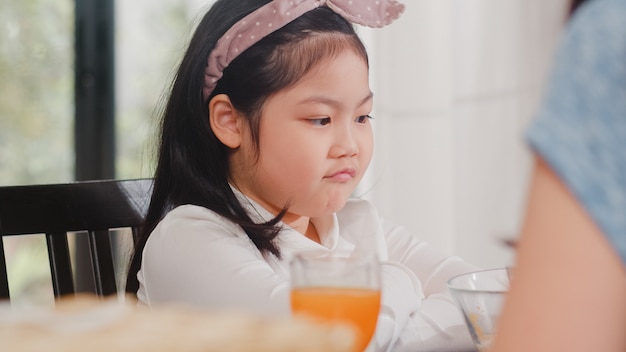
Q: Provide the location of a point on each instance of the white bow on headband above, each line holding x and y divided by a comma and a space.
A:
276, 14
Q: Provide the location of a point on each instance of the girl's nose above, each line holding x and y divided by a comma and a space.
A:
345, 142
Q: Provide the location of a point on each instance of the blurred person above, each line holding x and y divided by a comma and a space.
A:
568, 291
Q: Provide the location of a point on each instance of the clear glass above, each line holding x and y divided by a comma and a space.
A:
480, 296
338, 289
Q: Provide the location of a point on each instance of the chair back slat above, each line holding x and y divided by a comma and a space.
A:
60, 264
102, 262
4, 280
136, 234
93, 207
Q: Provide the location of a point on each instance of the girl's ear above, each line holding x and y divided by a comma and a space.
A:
225, 121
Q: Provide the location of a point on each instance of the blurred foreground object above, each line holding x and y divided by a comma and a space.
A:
88, 323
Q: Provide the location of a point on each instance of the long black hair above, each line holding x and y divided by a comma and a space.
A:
192, 164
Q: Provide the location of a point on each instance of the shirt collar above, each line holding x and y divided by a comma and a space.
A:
327, 227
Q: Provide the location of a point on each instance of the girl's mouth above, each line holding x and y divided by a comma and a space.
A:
343, 175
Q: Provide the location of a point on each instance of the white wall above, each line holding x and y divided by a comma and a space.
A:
455, 82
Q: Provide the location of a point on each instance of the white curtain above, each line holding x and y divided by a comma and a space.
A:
455, 83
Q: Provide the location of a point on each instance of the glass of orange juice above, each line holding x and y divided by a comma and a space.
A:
338, 288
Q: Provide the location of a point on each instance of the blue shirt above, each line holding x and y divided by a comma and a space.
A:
580, 129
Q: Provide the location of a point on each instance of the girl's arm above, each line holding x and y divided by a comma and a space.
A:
569, 288
437, 324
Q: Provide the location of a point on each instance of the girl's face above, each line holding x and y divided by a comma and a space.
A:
315, 141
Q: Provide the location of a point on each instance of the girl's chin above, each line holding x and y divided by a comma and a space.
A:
320, 207
336, 204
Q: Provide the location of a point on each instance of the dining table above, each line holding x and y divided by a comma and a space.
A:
89, 323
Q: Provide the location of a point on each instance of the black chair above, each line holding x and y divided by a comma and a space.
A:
91, 208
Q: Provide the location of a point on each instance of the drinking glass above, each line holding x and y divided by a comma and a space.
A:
338, 289
480, 295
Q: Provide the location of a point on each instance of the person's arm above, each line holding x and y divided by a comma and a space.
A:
438, 324
569, 287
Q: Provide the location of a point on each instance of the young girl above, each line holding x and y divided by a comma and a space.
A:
265, 136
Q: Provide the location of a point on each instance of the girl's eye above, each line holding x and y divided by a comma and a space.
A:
321, 121
363, 118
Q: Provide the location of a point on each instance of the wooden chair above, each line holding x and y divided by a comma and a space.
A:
91, 207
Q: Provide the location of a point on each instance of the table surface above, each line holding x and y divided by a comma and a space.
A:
112, 324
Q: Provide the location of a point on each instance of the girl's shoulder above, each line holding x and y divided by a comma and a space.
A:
194, 218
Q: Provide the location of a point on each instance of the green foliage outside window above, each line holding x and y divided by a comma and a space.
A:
36, 91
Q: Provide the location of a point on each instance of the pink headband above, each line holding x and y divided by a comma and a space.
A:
278, 13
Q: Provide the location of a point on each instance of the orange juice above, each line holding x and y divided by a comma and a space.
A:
358, 307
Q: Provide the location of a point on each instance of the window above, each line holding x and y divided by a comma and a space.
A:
150, 40
36, 91
44, 50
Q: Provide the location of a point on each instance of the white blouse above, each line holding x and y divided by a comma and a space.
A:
197, 257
